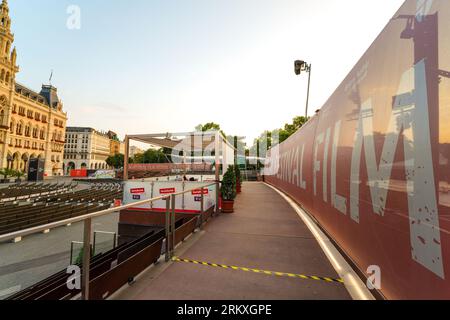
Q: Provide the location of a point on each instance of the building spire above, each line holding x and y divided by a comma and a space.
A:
5, 20
4, 5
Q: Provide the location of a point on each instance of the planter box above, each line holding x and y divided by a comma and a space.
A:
227, 206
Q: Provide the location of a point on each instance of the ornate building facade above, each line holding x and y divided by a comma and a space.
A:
86, 148
32, 125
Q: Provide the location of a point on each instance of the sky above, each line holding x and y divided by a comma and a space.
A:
152, 66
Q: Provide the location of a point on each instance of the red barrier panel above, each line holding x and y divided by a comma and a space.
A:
82, 173
373, 167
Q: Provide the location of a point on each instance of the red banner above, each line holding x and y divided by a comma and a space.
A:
167, 191
199, 192
82, 173
137, 190
169, 167
373, 167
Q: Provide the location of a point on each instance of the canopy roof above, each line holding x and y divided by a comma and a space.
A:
190, 142
195, 141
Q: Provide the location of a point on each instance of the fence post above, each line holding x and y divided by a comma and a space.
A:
93, 243
173, 224
86, 259
217, 197
167, 229
202, 207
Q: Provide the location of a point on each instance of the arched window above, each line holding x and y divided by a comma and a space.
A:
2, 117
7, 77
8, 47
2, 75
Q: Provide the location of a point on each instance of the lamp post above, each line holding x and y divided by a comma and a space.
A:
303, 66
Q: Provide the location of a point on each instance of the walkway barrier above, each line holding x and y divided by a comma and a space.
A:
105, 273
370, 165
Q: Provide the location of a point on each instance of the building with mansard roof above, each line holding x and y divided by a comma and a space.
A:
32, 124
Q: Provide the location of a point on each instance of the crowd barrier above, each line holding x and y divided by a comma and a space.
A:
371, 166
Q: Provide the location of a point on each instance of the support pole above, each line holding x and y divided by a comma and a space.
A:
86, 259
173, 224
307, 94
202, 205
167, 229
217, 154
126, 158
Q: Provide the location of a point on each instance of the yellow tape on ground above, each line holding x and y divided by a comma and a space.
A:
271, 273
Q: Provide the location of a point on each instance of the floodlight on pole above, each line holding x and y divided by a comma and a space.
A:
302, 66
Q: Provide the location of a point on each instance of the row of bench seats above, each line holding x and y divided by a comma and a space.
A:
89, 195
15, 216
29, 189
37, 216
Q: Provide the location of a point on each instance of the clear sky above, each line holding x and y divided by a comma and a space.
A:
146, 66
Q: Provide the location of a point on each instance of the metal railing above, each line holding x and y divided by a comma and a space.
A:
87, 233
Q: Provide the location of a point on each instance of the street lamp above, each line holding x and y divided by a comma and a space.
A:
303, 66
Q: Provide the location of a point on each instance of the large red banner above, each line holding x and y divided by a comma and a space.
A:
149, 167
373, 165
81, 173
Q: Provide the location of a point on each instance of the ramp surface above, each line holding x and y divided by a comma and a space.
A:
264, 234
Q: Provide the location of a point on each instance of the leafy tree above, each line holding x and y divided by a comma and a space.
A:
153, 156
210, 126
207, 127
291, 128
138, 158
7, 173
265, 139
116, 161
18, 174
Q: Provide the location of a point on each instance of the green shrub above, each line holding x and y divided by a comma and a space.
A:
237, 172
228, 188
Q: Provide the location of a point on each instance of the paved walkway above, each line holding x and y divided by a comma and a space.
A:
264, 233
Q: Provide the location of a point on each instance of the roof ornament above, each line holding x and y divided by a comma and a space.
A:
51, 74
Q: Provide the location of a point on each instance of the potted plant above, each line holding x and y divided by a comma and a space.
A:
228, 191
237, 172
6, 173
19, 175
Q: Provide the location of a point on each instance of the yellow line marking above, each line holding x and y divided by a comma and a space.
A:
271, 273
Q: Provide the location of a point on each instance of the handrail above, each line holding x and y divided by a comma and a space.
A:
194, 189
170, 234
33, 230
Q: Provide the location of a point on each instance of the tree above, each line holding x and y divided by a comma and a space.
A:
138, 158
116, 161
291, 128
7, 173
210, 126
266, 137
153, 156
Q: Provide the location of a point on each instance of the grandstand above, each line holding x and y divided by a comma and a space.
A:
23, 191
112, 270
39, 204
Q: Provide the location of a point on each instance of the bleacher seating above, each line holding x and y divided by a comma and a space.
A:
29, 190
44, 207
